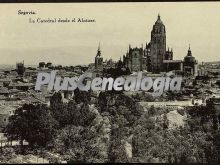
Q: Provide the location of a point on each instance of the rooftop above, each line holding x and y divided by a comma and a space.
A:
4, 90
172, 61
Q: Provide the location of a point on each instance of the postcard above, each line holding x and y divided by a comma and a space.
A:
115, 82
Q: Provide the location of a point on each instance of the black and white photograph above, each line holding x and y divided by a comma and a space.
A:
116, 82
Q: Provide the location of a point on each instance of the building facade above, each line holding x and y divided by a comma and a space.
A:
135, 59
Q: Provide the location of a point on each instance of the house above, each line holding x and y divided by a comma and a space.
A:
4, 91
5, 113
21, 86
174, 105
5, 81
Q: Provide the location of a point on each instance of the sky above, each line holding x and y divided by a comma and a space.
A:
117, 25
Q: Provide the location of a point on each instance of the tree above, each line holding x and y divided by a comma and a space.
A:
87, 143
75, 112
81, 96
7, 153
32, 123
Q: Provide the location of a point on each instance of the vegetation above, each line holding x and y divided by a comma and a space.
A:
112, 130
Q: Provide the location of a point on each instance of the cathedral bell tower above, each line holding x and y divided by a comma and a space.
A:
98, 59
158, 46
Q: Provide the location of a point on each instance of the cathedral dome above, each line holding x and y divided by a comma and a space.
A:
189, 58
158, 27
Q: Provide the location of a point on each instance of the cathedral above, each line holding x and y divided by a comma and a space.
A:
155, 57
135, 59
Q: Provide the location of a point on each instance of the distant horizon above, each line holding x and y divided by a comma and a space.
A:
29, 65
193, 23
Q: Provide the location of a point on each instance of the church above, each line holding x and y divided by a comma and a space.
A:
156, 58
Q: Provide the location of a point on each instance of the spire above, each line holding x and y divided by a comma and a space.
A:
158, 17
189, 51
98, 51
99, 47
159, 20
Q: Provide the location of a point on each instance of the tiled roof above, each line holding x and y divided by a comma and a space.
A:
4, 90
6, 110
20, 84
14, 91
5, 80
2, 97
172, 61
